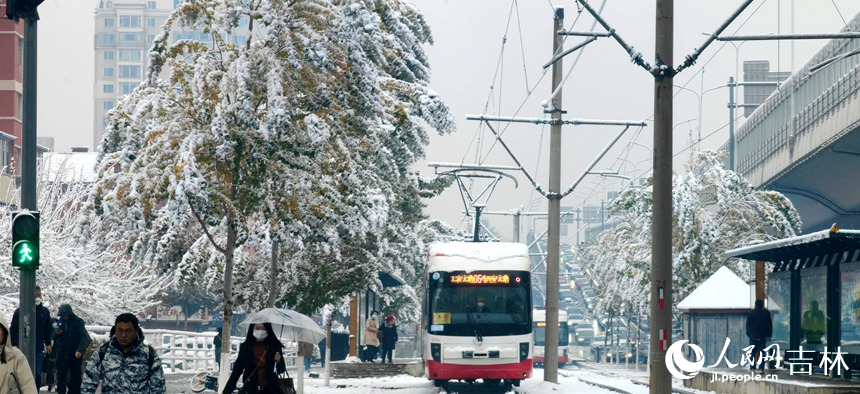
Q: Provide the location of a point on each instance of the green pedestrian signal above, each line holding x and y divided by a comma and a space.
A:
25, 239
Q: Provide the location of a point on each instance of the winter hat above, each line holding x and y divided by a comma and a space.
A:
389, 319
65, 310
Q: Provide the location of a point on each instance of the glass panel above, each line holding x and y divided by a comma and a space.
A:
850, 327
813, 302
493, 303
779, 304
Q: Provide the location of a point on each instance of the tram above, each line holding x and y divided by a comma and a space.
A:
539, 317
477, 313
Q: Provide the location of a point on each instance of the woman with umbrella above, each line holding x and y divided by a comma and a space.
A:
258, 357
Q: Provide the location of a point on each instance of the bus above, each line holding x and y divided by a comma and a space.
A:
477, 313
539, 317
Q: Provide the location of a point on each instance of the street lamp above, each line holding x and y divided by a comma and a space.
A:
699, 97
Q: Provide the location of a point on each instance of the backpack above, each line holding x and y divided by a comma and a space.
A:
150, 360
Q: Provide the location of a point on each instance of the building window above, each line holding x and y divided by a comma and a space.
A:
108, 105
127, 87
129, 71
129, 21
109, 22
20, 110
107, 88
6, 156
131, 37
150, 5
150, 22
150, 38
108, 55
109, 39
109, 72
20, 51
129, 55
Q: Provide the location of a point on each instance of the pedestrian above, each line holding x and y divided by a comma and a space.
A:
124, 364
14, 368
43, 334
813, 324
389, 338
306, 350
217, 342
49, 369
70, 342
259, 358
759, 327
371, 341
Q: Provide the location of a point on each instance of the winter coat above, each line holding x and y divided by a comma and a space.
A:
15, 374
759, 324
389, 336
121, 373
246, 365
306, 349
43, 328
371, 327
73, 338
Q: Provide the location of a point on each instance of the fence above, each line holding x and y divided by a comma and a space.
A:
186, 351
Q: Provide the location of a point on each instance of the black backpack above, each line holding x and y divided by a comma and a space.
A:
151, 360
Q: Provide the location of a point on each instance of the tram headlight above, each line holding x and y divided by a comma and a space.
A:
524, 351
436, 352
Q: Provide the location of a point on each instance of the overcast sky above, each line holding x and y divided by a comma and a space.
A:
487, 58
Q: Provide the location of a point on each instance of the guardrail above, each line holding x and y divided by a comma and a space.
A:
188, 351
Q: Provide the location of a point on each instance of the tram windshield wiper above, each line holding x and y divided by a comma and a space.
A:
474, 322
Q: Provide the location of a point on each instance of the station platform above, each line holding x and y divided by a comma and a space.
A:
724, 380
347, 369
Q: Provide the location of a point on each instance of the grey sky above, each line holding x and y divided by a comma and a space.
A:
468, 46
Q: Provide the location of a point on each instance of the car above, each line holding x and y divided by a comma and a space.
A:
584, 335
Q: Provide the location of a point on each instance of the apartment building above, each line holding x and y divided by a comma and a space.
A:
11, 97
124, 32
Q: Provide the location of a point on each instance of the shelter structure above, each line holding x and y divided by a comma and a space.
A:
816, 279
717, 310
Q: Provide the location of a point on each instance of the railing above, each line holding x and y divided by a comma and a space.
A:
189, 351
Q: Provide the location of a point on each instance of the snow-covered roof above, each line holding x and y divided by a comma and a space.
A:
70, 167
482, 251
820, 242
723, 290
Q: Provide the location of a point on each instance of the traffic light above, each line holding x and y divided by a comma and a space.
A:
25, 239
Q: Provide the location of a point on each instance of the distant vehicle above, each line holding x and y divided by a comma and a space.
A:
568, 299
584, 335
539, 317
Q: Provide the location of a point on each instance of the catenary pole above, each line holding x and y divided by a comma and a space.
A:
661, 229
554, 208
27, 311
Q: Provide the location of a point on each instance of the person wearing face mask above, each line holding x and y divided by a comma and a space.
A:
259, 356
43, 334
371, 341
481, 306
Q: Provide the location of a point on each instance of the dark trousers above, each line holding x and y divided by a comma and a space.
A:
218, 358
69, 368
40, 358
370, 352
387, 352
758, 347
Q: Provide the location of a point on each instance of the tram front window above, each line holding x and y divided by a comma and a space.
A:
563, 334
495, 303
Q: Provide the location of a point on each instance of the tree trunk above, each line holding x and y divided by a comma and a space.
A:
229, 249
274, 272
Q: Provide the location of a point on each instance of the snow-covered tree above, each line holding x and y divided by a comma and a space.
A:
303, 135
99, 283
714, 210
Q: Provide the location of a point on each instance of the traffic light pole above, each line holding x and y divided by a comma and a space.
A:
27, 310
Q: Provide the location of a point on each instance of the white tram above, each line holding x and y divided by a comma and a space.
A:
539, 317
477, 313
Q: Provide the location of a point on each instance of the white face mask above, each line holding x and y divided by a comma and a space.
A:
480, 305
260, 334
38, 301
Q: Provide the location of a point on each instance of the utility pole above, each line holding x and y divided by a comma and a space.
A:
554, 207
661, 219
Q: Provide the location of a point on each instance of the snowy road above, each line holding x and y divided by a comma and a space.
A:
569, 382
